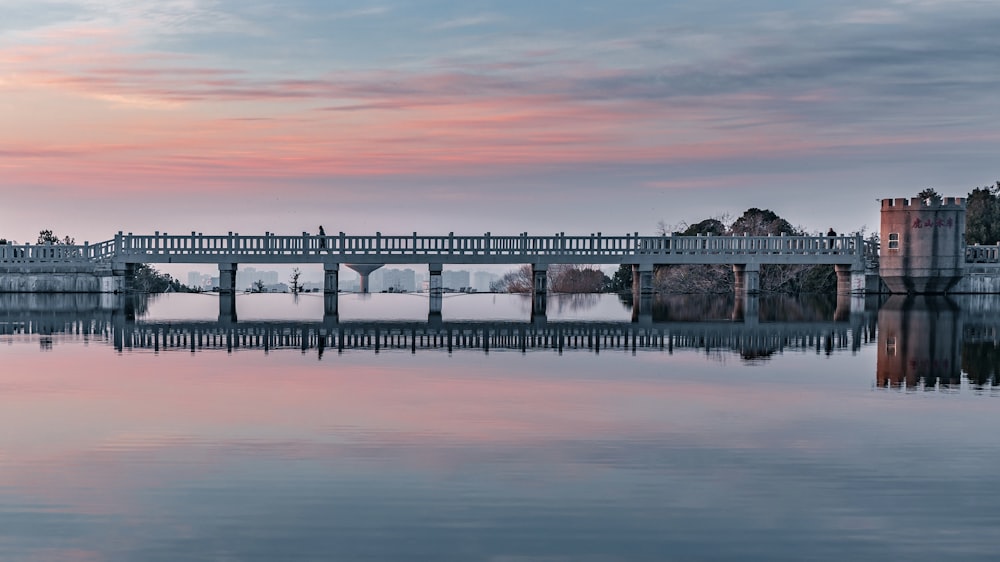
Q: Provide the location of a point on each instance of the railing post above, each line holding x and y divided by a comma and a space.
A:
305, 243
487, 243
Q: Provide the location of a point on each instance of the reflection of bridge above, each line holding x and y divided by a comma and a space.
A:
921, 342
751, 339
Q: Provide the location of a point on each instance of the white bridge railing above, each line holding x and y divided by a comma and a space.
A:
47, 253
485, 245
234, 246
982, 254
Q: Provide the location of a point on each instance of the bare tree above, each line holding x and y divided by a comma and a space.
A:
516, 281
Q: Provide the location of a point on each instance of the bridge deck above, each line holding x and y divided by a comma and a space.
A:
486, 249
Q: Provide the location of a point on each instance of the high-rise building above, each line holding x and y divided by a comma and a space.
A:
481, 280
455, 280
399, 280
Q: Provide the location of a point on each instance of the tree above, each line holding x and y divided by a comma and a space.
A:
710, 227
258, 286
929, 194
621, 281
47, 237
294, 281
148, 280
565, 278
761, 222
516, 281
982, 216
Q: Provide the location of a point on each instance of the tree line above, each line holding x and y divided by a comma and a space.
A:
982, 226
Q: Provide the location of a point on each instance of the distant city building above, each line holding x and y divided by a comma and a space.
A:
481, 280
246, 277
398, 280
455, 280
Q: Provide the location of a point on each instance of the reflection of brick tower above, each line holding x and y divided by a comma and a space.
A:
923, 244
919, 339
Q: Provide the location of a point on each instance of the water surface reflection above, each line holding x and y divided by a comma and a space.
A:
297, 436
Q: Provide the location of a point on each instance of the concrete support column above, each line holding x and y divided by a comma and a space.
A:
539, 278
843, 278
746, 278
331, 278
642, 280
364, 270
227, 307
330, 306
539, 291
435, 287
123, 276
227, 278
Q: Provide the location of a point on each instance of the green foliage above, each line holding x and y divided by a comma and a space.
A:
709, 279
982, 217
621, 281
929, 193
761, 222
148, 280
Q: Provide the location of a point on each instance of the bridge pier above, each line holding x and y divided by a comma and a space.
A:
539, 290
331, 278
850, 279
364, 270
435, 287
227, 307
642, 279
746, 278
330, 309
227, 278
123, 276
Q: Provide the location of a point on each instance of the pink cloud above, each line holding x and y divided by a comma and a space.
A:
113, 117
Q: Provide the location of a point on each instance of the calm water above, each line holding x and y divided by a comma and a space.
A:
709, 429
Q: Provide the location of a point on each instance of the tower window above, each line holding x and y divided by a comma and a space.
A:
894, 241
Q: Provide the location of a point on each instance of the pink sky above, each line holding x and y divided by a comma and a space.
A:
212, 116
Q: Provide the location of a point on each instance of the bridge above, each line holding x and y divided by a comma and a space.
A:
850, 254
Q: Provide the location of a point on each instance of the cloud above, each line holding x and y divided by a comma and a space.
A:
468, 21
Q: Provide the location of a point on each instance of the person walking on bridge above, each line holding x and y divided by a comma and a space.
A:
322, 238
831, 234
